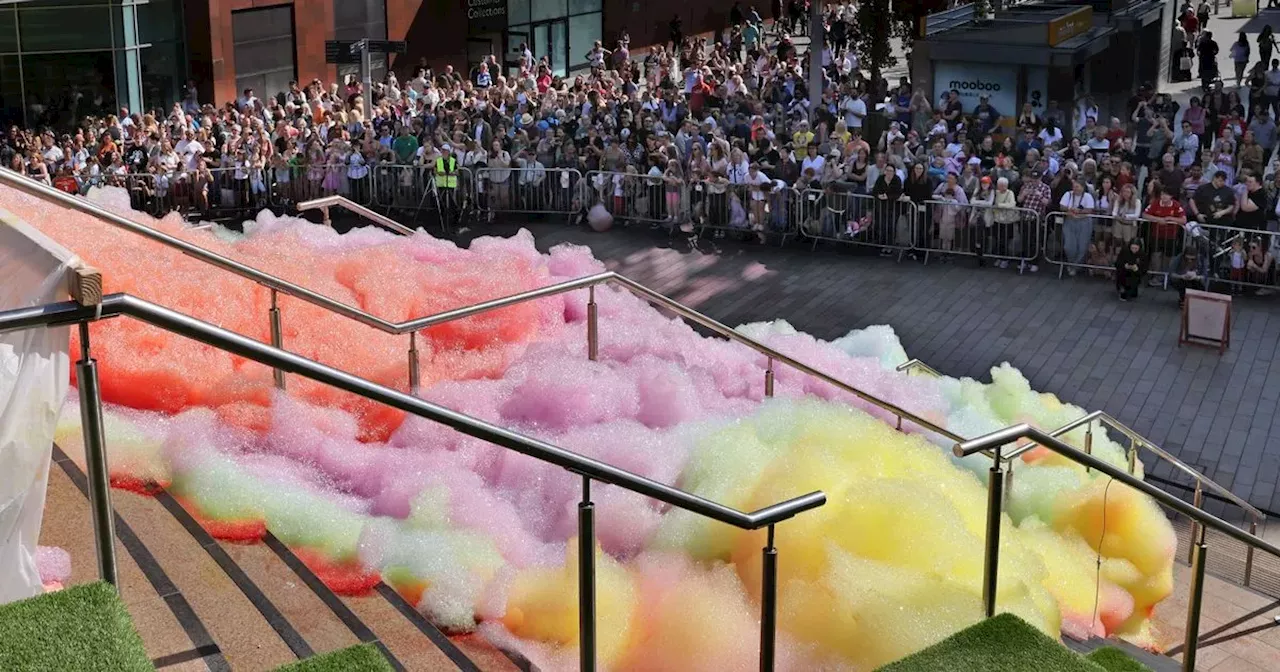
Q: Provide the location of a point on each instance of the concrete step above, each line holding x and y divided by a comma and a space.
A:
200, 603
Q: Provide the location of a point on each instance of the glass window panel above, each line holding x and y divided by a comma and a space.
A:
8, 29
584, 6
159, 21
264, 47
10, 92
65, 29
358, 19
63, 88
517, 12
162, 75
584, 30
559, 48
548, 9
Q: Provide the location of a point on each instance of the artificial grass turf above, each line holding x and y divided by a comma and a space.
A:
1114, 660
82, 628
358, 658
1004, 643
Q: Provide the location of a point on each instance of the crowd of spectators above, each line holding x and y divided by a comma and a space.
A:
731, 110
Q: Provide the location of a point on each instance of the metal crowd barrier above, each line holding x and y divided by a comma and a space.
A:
977, 230
1091, 243
1233, 254
855, 218
635, 197
531, 191
752, 211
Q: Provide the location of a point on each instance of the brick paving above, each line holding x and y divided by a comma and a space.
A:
1071, 337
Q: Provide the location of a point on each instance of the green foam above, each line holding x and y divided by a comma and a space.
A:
84, 628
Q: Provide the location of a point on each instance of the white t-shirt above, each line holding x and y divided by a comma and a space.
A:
1047, 138
814, 162
854, 111
1082, 202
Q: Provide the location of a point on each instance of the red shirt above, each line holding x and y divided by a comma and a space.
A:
1165, 231
67, 183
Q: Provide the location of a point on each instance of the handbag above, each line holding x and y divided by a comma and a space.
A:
1184, 63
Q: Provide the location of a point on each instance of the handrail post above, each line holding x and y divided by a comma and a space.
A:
768, 379
415, 374
1198, 502
277, 336
1088, 442
1194, 603
593, 332
95, 455
768, 605
1248, 556
1133, 456
586, 580
995, 496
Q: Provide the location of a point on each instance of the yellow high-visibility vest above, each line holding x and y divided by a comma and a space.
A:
446, 177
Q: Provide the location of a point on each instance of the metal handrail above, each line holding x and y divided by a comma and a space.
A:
1140, 441
416, 324
280, 360
323, 205
995, 441
1137, 440
917, 364
229, 341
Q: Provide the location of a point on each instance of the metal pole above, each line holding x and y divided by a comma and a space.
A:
815, 60
415, 374
366, 78
1198, 553
1088, 443
277, 337
586, 580
995, 496
1248, 555
1008, 484
769, 605
1197, 501
95, 456
768, 379
593, 329
1133, 456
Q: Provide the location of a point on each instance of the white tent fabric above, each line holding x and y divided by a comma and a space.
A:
34, 376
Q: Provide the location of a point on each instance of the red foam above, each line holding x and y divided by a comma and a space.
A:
343, 577
237, 531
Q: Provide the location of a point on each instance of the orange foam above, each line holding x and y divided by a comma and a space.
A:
343, 578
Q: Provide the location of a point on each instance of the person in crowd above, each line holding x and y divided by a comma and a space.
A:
1167, 219
1131, 267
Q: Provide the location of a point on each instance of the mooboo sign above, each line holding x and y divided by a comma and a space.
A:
972, 80
485, 16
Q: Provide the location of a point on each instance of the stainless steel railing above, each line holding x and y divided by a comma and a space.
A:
280, 286
323, 205
590, 470
1137, 442
996, 442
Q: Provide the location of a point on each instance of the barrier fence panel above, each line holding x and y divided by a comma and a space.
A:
1005, 234
1239, 260
314, 181
529, 191
844, 216
633, 197
202, 194
755, 211
1092, 243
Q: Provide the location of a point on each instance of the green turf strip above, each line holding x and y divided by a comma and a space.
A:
83, 628
1115, 660
358, 658
1005, 643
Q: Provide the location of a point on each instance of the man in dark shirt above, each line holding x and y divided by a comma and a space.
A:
1214, 203
1170, 175
1253, 210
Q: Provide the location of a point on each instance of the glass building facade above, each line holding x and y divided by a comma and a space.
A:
562, 30
61, 60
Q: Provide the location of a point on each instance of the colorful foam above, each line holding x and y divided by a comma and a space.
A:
476, 534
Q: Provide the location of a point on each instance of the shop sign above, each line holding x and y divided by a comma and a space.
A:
486, 16
971, 80
1066, 27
